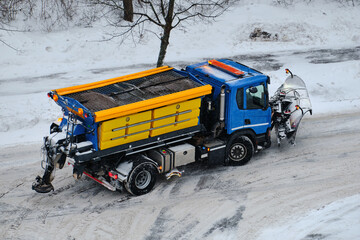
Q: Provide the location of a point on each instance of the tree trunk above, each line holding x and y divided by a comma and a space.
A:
163, 46
166, 34
128, 10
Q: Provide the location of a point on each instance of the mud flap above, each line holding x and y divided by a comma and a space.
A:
61, 161
78, 171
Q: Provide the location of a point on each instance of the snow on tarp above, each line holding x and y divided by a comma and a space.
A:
134, 90
129, 94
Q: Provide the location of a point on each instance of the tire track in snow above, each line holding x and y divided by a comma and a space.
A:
227, 223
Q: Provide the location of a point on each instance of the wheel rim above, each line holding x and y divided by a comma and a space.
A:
143, 179
238, 152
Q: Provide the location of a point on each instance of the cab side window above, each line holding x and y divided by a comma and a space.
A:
255, 97
240, 98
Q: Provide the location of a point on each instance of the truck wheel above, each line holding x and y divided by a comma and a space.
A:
239, 151
141, 179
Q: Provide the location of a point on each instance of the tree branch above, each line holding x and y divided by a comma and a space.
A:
149, 18
196, 5
9, 46
153, 9
162, 9
200, 14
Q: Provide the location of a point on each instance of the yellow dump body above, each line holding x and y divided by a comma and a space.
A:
142, 105
150, 123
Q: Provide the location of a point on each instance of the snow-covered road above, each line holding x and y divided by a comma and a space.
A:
274, 189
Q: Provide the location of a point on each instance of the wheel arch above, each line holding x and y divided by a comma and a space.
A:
243, 132
140, 159
144, 158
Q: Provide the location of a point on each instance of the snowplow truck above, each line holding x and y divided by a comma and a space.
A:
123, 132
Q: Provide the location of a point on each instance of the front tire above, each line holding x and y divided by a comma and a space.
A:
141, 179
239, 151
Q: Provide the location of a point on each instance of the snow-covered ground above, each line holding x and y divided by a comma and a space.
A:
306, 192
338, 220
319, 41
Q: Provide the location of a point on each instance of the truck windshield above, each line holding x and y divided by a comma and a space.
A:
255, 97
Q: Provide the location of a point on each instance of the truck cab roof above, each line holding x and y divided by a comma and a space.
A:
226, 72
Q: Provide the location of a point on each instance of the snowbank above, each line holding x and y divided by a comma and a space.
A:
338, 220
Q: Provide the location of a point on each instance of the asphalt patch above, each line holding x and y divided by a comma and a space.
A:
324, 56
227, 223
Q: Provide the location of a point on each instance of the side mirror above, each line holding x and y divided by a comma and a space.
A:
253, 90
54, 128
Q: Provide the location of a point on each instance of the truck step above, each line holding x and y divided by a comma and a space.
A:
174, 172
80, 154
84, 146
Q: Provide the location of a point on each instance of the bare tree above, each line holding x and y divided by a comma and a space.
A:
8, 10
5, 28
165, 14
348, 2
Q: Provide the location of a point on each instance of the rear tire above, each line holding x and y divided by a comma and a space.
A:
142, 179
239, 151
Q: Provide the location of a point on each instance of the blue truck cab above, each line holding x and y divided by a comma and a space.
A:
246, 110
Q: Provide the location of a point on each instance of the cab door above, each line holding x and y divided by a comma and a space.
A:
236, 110
257, 114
